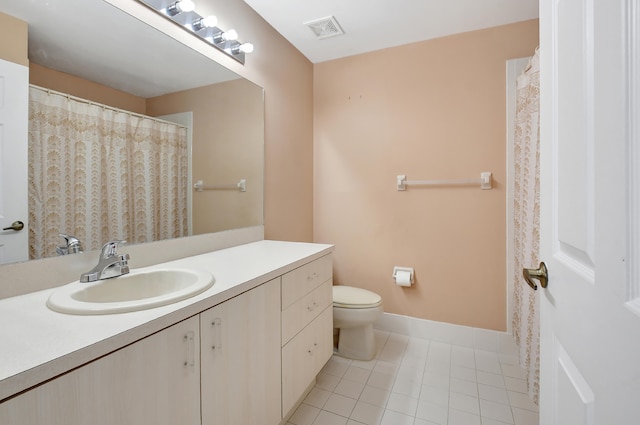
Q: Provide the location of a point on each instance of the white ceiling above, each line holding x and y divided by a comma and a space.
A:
91, 38
377, 24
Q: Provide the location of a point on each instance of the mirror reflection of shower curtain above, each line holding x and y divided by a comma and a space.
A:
102, 174
526, 211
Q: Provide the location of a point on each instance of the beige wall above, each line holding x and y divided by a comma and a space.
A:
430, 110
228, 128
13, 40
287, 77
76, 86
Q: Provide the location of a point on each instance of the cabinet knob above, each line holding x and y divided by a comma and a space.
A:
312, 349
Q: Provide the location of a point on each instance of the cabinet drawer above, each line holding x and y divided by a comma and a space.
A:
304, 356
299, 282
303, 311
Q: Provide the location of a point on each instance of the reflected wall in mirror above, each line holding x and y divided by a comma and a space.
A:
74, 48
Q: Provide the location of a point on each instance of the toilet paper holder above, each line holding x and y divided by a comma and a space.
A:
403, 270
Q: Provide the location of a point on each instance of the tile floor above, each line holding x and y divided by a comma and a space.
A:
419, 382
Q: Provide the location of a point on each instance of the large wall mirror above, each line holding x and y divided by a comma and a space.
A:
91, 50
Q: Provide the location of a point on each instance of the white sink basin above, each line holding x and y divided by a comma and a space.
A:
138, 290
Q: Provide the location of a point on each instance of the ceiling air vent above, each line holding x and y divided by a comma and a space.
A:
325, 27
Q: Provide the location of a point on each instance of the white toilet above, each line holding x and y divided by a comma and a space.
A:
354, 311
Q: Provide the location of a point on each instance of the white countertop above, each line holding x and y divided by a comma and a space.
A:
37, 344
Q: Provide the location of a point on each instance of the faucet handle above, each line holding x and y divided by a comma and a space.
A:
72, 245
110, 249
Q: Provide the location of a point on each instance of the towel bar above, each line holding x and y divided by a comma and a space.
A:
485, 181
241, 186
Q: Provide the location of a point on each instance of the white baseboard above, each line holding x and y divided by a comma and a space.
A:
482, 339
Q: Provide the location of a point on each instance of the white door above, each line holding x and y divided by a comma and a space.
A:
14, 110
590, 212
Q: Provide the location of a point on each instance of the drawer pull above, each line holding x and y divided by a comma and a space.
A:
217, 334
312, 276
312, 349
312, 306
191, 349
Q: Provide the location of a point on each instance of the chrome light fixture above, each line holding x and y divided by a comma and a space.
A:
180, 6
183, 13
202, 23
244, 48
223, 37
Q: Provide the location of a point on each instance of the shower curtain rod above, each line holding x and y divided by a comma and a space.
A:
103, 106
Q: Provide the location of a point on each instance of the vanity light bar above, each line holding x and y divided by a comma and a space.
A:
183, 13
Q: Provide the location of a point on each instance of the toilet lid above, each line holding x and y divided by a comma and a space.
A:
350, 297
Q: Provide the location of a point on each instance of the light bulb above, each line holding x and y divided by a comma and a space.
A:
230, 35
244, 48
208, 22
180, 6
187, 5
223, 36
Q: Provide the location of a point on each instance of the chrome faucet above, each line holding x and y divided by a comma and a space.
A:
72, 245
110, 264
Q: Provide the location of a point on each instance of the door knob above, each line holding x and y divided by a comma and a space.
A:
540, 273
16, 225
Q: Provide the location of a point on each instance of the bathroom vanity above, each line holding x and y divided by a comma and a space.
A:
244, 351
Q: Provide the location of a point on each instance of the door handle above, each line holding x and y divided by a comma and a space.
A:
540, 273
16, 225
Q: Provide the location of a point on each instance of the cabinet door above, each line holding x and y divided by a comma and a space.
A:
154, 381
304, 356
241, 359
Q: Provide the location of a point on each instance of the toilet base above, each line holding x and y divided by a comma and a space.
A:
357, 343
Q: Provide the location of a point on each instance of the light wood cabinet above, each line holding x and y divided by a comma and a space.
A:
304, 356
307, 328
300, 314
154, 381
299, 282
241, 359
247, 360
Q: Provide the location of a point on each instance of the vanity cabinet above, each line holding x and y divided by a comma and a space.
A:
246, 360
241, 358
154, 381
307, 327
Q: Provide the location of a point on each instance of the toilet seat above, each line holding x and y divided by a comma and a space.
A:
350, 297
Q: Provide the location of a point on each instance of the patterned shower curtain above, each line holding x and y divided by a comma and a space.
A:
526, 205
102, 174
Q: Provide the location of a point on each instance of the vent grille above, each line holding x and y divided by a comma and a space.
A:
325, 27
